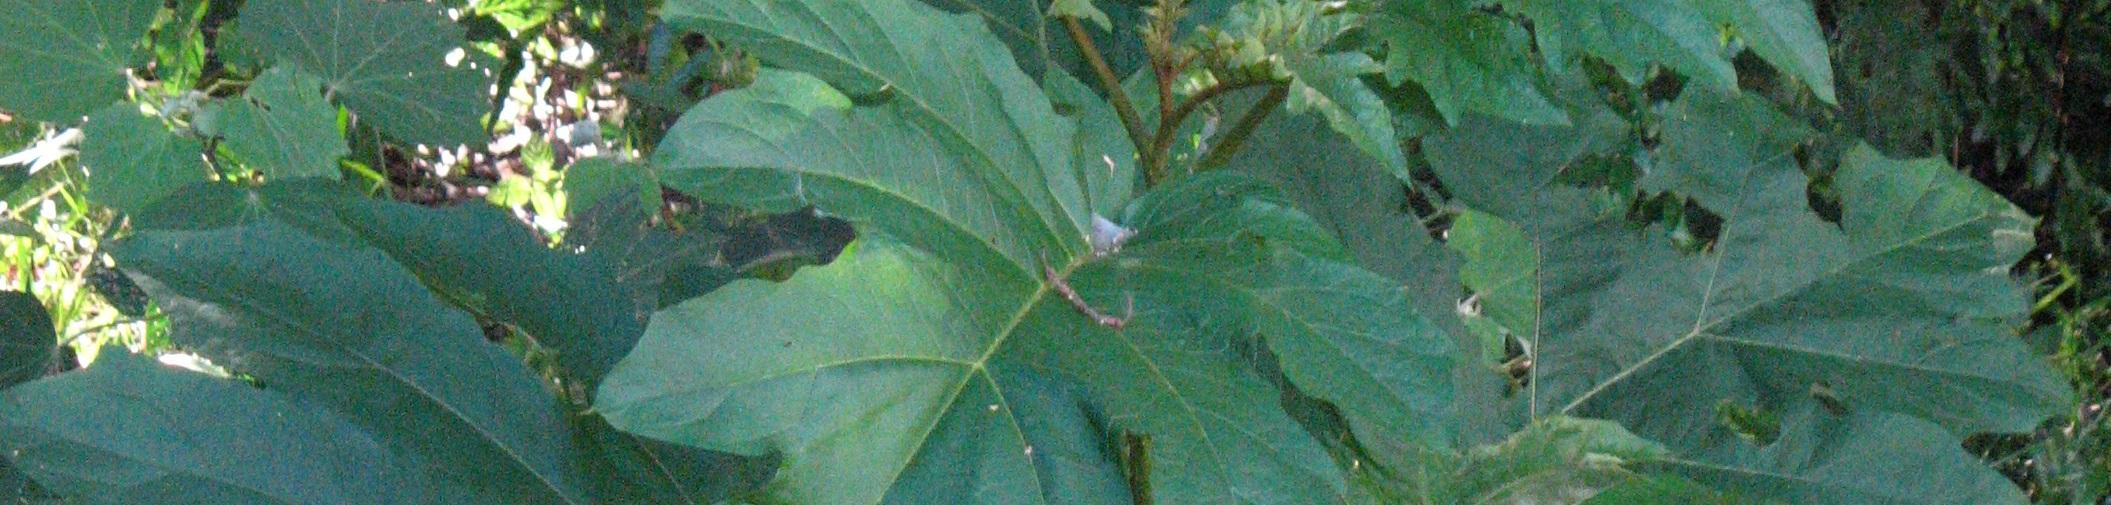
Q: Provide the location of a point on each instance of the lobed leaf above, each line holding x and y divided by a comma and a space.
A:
1687, 36
1631, 35
1468, 61
399, 79
1784, 311
1339, 332
133, 160
967, 343
65, 60
1784, 33
1296, 36
282, 126
1862, 457
956, 106
940, 381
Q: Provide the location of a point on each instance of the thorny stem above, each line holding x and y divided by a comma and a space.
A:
1122, 105
1221, 152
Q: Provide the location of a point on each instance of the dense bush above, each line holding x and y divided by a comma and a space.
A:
864, 251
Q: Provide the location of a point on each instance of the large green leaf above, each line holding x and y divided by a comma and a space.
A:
861, 386
947, 354
128, 430
988, 149
67, 59
1333, 86
789, 141
1784, 33
949, 365
1508, 169
1685, 35
346, 326
27, 343
397, 78
134, 160
1860, 457
566, 302
1466, 59
282, 126
1368, 210
1900, 308
1341, 333
1631, 35
633, 469
585, 303
580, 307
929, 371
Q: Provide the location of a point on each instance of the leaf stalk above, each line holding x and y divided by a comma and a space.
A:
1122, 105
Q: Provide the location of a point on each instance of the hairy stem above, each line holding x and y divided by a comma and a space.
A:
1221, 152
1122, 105
1169, 125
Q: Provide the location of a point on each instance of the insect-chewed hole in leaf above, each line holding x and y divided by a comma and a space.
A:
877, 97
1689, 226
1703, 225
1831, 400
1824, 198
1612, 170
1755, 424
776, 245
1470, 305
1663, 85
1754, 73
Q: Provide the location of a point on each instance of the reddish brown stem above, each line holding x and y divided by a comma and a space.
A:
1063, 289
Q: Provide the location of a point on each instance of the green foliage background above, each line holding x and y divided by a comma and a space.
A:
1013, 251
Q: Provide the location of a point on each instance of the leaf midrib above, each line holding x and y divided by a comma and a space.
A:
1702, 325
979, 367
